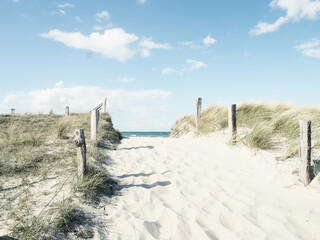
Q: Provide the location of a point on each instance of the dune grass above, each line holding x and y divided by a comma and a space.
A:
30, 144
95, 184
68, 215
266, 123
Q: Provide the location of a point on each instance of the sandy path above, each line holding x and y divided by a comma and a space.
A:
200, 188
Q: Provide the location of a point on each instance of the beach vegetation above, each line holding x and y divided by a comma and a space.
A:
95, 184
266, 124
69, 215
37, 149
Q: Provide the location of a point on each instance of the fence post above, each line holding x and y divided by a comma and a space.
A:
94, 124
67, 111
198, 111
305, 151
104, 105
232, 122
80, 142
13, 112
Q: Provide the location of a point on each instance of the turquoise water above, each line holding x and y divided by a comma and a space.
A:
145, 134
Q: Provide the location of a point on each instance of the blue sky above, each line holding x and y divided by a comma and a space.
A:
153, 58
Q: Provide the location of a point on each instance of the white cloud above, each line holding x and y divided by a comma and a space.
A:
263, 27
203, 45
79, 98
58, 84
193, 65
142, 1
10, 97
78, 19
62, 12
15, 1
310, 49
168, 71
190, 66
65, 5
126, 80
209, 40
145, 53
113, 43
109, 25
97, 28
147, 44
103, 15
295, 11
191, 45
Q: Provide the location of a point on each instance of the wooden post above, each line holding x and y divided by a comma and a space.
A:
198, 111
80, 142
94, 124
232, 122
104, 105
13, 112
67, 111
305, 151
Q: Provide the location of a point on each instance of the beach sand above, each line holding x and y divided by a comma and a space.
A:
201, 188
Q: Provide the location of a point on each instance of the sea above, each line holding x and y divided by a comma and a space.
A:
145, 134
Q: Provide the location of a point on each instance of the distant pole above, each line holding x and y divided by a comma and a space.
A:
94, 124
232, 122
198, 111
80, 142
13, 112
104, 105
67, 111
305, 151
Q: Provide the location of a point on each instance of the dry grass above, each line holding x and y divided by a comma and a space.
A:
31, 144
95, 184
267, 122
183, 125
68, 216
212, 119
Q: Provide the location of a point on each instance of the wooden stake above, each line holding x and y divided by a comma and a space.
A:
67, 111
198, 111
104, 105
80, 142
232, 122
305, 151
94, 124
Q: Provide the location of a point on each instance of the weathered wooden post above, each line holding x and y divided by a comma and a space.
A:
80, 142
198, 111
67, 111
13, 112
94, 124
232, 122
104, 105
305, 151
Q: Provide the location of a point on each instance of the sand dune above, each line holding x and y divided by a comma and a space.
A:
200, 188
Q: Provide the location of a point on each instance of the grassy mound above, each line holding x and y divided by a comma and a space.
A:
266, 122
32, 144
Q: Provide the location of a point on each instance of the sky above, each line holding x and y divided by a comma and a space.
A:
153, 58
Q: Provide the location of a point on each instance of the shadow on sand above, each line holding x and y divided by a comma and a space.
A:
133, 148
136, 175
147, 186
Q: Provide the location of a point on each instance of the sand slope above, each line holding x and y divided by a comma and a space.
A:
200, 188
